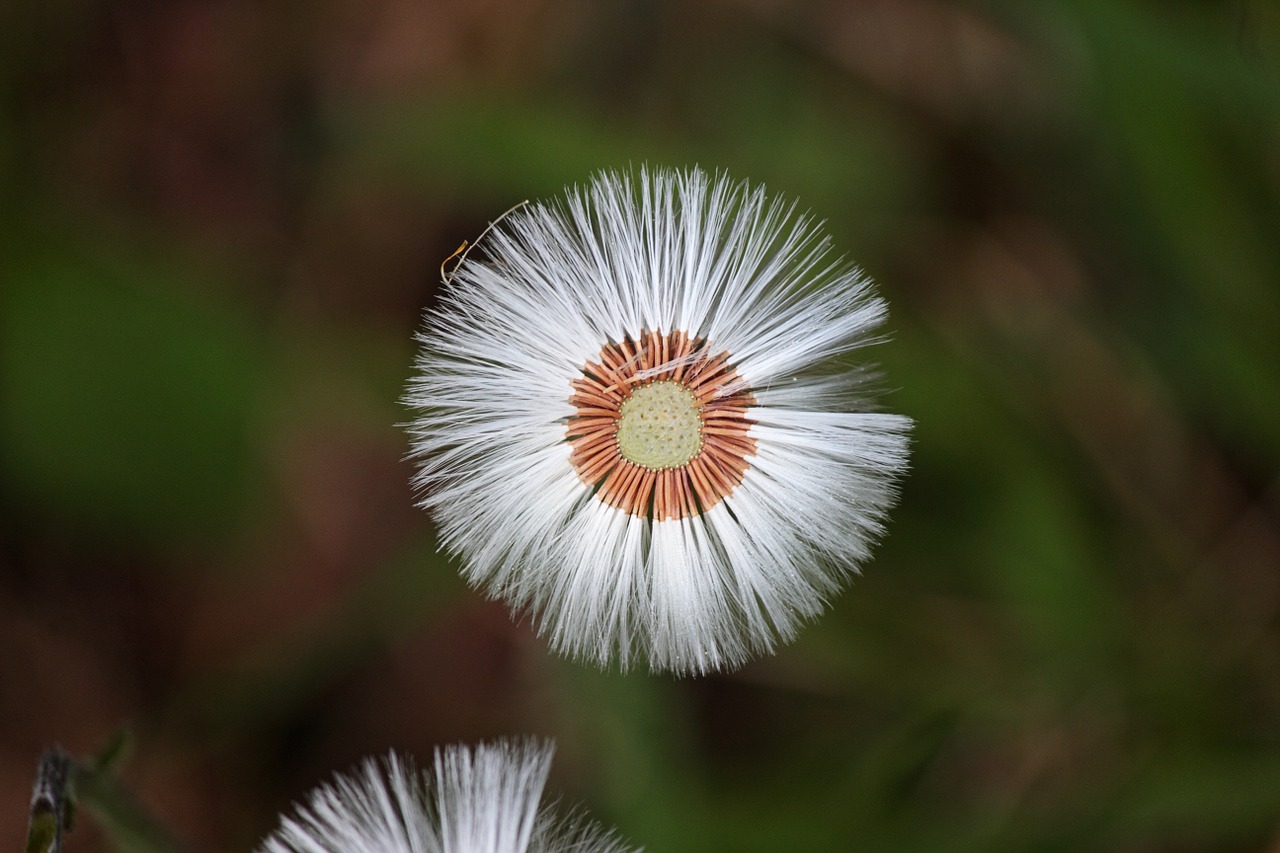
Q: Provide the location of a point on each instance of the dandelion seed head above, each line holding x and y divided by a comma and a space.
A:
688, 466
483, 800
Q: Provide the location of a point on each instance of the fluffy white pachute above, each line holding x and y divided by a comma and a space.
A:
486, 800
659, 251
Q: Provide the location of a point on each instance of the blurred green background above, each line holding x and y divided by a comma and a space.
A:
221, 220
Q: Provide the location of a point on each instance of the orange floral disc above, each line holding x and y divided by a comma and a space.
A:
661, 428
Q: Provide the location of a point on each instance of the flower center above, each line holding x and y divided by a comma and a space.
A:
660, 429
659, 426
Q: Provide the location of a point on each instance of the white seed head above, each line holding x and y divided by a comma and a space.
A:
636, 419
486, 800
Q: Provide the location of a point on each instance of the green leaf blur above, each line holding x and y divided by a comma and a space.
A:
221, 222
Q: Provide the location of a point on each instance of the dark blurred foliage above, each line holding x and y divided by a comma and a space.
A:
221, 220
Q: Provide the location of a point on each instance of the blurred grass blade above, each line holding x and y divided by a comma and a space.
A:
62, 783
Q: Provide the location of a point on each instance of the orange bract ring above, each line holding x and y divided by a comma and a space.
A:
674, 451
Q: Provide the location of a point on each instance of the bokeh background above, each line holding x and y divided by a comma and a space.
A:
220, 221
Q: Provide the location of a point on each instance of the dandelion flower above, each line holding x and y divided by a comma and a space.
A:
636, 417
486, 801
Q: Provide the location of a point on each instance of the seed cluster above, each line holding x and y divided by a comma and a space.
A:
660, 429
